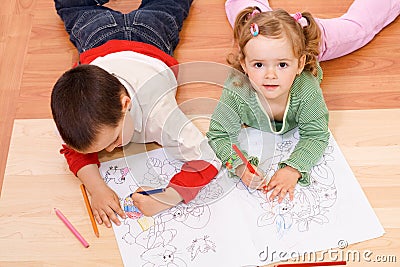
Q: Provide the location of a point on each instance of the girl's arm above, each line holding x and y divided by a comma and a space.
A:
312, 121
225, 126
314, 135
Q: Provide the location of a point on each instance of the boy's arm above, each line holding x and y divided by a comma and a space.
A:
150, 205
105, 202
194, 175
78, 160
201, 164
182, 140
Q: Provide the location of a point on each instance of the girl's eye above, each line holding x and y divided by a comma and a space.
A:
258, 65
282, 65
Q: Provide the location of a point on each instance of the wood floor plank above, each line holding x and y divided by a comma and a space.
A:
7, 8
15, 31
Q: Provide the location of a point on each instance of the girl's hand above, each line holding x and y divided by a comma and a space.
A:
282, 182
150, 205
251, 180
105, 204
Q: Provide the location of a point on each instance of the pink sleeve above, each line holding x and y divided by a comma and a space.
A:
78, 160
193, 176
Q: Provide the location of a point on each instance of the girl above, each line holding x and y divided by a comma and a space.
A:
279, 91
288, 108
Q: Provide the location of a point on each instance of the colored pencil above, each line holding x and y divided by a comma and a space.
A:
245, 161
89, 210
311, 264
71, 228
151, 192
248, 165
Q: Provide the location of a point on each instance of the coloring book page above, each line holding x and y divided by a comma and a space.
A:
229, 225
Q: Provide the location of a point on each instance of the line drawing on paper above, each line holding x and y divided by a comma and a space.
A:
158, 240
210, 192
161, 256
186, 235
159, 172
202, 245
116, 174
311, 204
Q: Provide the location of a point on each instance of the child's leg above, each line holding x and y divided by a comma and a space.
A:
85, 20
363, 20
77, 3
178, 9
159, 22
233, 7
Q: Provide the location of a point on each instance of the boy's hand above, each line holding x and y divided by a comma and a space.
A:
152, 204
105, 204
251, 180
282, 182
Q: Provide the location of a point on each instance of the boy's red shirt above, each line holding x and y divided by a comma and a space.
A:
194, 174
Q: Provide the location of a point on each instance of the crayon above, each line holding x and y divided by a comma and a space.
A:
89, 209
71, 228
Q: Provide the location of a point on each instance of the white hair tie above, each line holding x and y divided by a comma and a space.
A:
300, 19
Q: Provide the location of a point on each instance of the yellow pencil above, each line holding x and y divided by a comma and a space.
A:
89, 209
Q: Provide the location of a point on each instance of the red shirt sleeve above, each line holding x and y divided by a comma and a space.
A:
193, 176
78, 160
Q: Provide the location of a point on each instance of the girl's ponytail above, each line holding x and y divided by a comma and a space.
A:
312, 36
241, 19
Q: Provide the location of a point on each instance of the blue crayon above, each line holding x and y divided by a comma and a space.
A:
151, 192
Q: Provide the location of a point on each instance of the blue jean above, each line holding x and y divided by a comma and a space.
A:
155, 22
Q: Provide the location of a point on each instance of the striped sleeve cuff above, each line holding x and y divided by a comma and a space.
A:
234, 161
305, 175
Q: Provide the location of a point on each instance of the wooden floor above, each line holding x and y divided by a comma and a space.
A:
35, 51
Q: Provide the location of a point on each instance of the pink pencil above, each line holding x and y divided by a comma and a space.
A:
71, 227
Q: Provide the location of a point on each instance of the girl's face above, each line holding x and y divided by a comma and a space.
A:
109, 138
271, 66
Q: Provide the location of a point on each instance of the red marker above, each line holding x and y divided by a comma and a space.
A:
245, 161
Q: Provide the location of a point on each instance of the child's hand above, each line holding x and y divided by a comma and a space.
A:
150, 205
283, 181
105, 204
252, 181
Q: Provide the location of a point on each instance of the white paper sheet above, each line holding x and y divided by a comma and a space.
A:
226, 225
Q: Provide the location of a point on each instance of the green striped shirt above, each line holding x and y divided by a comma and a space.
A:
239, 105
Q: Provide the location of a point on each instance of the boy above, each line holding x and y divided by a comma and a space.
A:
124, 91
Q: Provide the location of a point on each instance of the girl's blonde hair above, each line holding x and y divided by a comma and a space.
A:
277, 24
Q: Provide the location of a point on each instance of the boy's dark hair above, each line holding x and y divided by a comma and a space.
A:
83, 100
